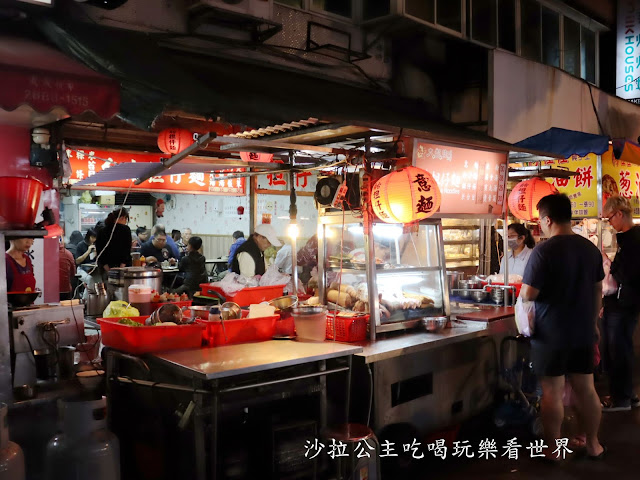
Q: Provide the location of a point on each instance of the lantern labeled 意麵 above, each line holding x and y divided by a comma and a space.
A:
407, 195
174, 140
524, 198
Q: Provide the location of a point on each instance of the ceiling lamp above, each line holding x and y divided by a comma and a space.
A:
407, 195
524, 198
174, 140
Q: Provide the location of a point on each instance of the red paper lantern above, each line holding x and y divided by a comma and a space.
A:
256, 157
174, 140
407, 195
524, 198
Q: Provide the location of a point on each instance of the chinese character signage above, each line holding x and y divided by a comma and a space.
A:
471, 181
621, 178
581, 188
305, 182
628, 50
86, 162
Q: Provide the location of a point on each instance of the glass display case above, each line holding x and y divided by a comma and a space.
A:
461, 238
90, 214
396, 277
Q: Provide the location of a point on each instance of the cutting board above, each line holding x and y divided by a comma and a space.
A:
488, 314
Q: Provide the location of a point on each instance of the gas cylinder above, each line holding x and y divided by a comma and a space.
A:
11, 457
85, 448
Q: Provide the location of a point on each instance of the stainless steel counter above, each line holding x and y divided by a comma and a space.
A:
385, 348
220, 362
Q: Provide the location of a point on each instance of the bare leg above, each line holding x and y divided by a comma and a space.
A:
552, 410
588, 406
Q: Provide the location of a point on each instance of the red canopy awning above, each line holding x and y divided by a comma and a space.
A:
44, 79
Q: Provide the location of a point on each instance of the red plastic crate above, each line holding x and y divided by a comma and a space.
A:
518, 286
246, 296
240, 330
157, 305
145, 339
348, 328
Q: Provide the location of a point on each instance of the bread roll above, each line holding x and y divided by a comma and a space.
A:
341, 298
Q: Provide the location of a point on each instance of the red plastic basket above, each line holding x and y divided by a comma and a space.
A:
144, 339
348, 328
157, 305
246, 296
240, 330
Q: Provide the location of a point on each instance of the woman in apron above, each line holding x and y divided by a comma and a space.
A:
20, 276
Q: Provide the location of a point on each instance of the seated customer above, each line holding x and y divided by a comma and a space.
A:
238, 239
156, 250
193, 266
86, 247
171, 245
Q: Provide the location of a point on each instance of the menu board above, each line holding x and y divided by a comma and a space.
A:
279, 182
86, 162
581, 188
471, 181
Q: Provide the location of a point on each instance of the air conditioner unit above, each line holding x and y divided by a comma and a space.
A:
253, 8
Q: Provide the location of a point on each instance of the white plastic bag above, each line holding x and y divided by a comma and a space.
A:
525, 315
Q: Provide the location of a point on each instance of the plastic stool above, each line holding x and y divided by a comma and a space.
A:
362, 460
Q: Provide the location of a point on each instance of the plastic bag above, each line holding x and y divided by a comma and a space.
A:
609, 284
525, 316
119, 309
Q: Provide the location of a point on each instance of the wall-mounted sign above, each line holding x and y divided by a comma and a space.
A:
86, 162
471, 181
621, 178
278, 183
628, 50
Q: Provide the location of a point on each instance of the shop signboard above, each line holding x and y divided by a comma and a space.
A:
86, 162
628, 50
278, 183
581, 188
471, 181
621, 178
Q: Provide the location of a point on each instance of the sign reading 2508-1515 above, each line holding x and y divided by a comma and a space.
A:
628, 51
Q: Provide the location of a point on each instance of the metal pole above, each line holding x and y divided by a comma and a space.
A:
293, 214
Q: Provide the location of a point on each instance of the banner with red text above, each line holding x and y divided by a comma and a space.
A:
86, 162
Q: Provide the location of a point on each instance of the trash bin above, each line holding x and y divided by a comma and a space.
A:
360, 458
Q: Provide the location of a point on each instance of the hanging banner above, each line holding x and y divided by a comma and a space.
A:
621, 178
86, 162
471, 181
628, 50
581, 188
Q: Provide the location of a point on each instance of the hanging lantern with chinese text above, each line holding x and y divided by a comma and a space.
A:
174, 140
256, 157
407, 195
524, 198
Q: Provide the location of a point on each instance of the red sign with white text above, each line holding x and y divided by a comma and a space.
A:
471, 181
86, 162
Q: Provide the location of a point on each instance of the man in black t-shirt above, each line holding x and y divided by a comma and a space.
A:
564, 278
156, 250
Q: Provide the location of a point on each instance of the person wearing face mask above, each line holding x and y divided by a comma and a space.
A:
521, 245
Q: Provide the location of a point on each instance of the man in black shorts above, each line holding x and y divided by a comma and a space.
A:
564, 278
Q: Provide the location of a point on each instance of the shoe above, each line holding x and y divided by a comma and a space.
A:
599, 457
635, 401
609, 406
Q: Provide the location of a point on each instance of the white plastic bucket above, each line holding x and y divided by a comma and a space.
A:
311, 322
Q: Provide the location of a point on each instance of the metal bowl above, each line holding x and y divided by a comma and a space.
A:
199, 311
233, 308
23, 299
284, 303
479, 295
309, 309
434, 324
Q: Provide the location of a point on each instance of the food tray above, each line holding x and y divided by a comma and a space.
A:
138, 340
240, 330
185, 303
246, 296
348, 328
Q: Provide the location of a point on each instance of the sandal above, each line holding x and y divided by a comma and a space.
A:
599, 457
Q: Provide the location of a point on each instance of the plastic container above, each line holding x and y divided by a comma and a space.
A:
240, 330
348, 328
145, 339
19, 199
246, 296
310, 321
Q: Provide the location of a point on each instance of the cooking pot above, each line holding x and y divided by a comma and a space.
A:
466, 287
498, 295
97, 301
151, 277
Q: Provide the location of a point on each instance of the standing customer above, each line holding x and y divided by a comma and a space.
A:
521, 245
564, 278
67, 270
238, 239
621, 310
114, 241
